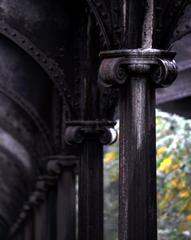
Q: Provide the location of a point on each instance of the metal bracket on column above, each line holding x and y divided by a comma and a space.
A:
118, 65
78, 131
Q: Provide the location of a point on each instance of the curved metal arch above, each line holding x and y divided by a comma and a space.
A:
168, 15
183, 26
18, 186
27, 145
180, 33
49, 66
107, 18
23, 104
178, 37
176, 15
103, 34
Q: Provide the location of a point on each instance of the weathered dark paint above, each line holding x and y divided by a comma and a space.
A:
66, 205
29, 229
135, 72
51, 209
137, 203
91, 136
91, 191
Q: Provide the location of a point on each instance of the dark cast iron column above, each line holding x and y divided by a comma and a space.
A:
137, 73
137, 70
92, 135
62, 197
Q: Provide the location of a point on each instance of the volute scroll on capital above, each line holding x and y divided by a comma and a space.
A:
117, 66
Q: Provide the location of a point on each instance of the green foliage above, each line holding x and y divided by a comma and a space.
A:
173, 176
173, 180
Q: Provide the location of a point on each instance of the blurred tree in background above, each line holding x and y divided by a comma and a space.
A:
173, 180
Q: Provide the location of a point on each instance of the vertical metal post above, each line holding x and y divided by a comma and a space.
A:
40, 211
51, 207
137, 72
92, 135
137, 202
66, 205
137, 180
29, 230
91, 191
137, 172
62, 197
40, 233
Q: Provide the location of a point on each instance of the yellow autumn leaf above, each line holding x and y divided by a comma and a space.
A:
181, 185
188, 218
184, 194
166, 164
110, 156
176, 184
161, 151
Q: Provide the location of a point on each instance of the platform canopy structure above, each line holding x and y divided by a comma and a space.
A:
65, 67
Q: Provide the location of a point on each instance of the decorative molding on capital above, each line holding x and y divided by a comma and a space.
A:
78, 131
56, 164
119, 65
